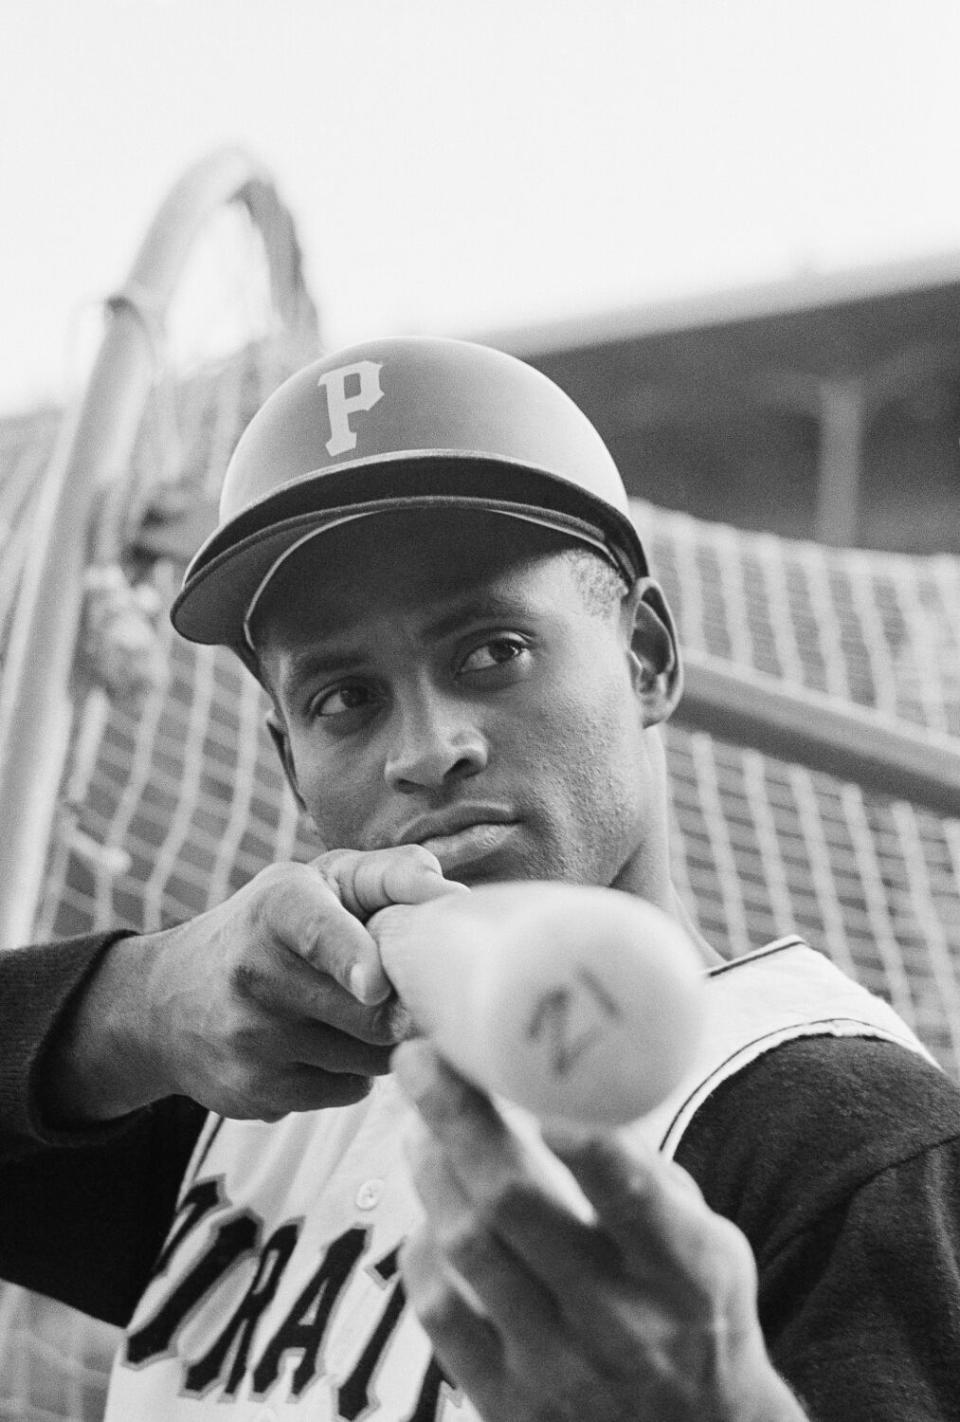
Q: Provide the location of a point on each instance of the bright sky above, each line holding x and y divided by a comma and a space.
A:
467, 165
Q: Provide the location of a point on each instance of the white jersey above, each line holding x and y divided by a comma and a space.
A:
277, 1293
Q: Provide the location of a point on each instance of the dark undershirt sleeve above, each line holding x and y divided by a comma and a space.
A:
84, 1224
840, 1160
82, 1213
863, 1311
37, 985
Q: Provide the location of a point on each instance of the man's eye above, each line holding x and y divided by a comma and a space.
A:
494, 653
352, 696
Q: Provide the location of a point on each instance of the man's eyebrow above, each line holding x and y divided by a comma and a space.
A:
489, 607
304, 666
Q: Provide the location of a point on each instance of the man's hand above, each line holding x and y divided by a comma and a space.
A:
274, 1001
640, 1305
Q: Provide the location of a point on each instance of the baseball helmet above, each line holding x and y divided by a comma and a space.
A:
396, 424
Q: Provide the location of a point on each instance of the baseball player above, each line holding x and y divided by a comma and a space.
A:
425, 557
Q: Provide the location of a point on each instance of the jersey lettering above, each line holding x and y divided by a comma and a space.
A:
233, 1357
365, 391
237, 1336
232, 1241
304, 1327
198, 1202
354, 1395
435, 1384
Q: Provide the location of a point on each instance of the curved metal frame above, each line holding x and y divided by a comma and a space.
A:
92, 455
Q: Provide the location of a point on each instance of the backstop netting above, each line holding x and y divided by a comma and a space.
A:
167, 811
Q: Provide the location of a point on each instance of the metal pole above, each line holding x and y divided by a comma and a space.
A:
840, 461
749, 708
94, 450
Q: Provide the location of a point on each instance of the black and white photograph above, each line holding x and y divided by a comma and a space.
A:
479, 711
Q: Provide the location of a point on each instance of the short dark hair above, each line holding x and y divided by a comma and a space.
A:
601, 585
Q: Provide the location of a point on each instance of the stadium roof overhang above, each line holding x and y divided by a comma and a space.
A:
831, 345
824, 323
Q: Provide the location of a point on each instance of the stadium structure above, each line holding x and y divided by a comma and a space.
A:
815, 760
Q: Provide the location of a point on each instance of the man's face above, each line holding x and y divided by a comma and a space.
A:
441, 680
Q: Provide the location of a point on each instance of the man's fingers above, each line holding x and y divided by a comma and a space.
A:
459, 1115
289, 989
297, 1088
371, 880
319, 910
500, 1375
363, 882
657, 1216
618, 1180
543, 1274
306, 916
314, 1045
653, 1221
506, 1171
466, 1344
498, 1284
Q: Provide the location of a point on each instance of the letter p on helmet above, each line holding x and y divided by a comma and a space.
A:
364, 376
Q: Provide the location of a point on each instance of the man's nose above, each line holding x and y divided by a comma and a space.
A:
434, 742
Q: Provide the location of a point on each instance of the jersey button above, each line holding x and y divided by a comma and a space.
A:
368, 1196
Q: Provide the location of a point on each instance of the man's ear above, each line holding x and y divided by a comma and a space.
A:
654, 651
281, 741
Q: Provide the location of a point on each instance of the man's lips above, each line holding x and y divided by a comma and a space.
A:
461, 836
463, 847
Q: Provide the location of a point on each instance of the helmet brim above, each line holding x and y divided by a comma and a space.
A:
229, 570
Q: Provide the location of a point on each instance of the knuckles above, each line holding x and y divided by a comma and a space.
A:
721, 1275
274, 884
734, 1258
